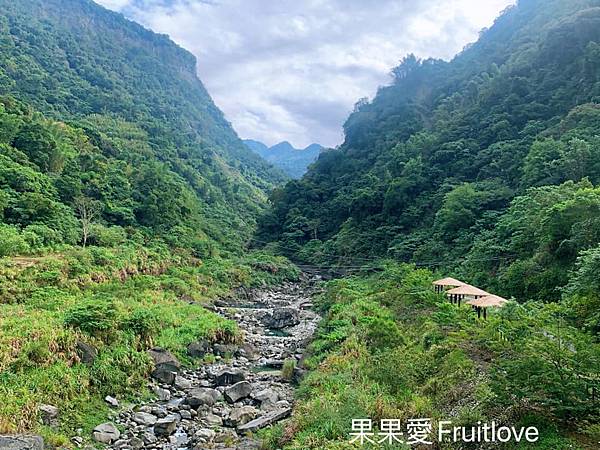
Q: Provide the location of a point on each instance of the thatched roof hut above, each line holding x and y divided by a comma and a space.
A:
445, 283
468, 291
490, 301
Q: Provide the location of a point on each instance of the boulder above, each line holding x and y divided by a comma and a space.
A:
268, 396
144, 418
161, 356
224, 349
198, 349
229, 376
202, 396
164, 395
241, 415
213, 420
281, 318
238, 391
248, 351
87, 353
166, 426
165, 373
106, 433
182, 384
21, 442
49, 415
111, 401
266, 420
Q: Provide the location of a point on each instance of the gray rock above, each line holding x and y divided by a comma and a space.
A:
281, 318
202, 396
248, 351
198, 349
241, 415
136, 443
205, 434
267, 395
161, 356
87, 353
106, 433
238, 391
49, 415
229, 376
165, 373
213, 420
21, 442
266, 420
182, 383
166, 426
144, 418
111, 401
163, 394
224, 349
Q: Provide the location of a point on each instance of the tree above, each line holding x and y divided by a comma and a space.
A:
88, 210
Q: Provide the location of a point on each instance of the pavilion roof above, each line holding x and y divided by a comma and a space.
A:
449, 282
489, 301
467, 289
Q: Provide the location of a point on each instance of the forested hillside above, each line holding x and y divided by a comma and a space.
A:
143, 136
125, 202
484, 166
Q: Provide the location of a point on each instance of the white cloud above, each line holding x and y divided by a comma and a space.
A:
292, 70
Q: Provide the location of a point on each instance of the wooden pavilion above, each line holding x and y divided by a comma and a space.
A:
446, 283
483, 303
466, 292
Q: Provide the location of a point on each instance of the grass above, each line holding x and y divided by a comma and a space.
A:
390, 348
121, 301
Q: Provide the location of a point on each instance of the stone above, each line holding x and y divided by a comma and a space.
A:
202, 396
106, 433
224, 349
165, 373
166, 426
281, 318
185, 414
266, 420
238, 391
182, 383
87, 353
205, 434
198, 349
136, 443
229, 376
49, 415
111, 401
241, 415
163, 394
267, 396
161, 356
213, 420
149, 438
144, 418
248, 351
21, 442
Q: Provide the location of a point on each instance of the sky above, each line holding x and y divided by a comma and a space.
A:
293, 69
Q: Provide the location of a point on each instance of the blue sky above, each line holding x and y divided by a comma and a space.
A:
293, 69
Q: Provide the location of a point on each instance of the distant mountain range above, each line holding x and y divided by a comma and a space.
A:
293, 161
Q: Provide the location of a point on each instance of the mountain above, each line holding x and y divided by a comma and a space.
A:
458, 165
135, 98
294, 162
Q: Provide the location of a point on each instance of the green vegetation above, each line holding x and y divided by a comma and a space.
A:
390, 348
449, 166
120, 301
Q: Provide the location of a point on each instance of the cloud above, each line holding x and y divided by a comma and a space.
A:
293, 69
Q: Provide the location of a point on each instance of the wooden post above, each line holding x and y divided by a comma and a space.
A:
478, 312
485, 313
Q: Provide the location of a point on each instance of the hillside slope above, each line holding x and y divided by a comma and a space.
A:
431, 163
136, 96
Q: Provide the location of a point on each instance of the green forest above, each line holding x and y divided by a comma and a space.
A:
128, 205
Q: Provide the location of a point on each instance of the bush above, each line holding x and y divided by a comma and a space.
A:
107, 236
11, 241
95, 317
38, 236
144, 323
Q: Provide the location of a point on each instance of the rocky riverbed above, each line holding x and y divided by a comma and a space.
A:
249, 385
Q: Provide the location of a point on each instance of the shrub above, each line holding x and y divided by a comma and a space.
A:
95, 317
11, 241
144, 323
289, 366
107, 236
